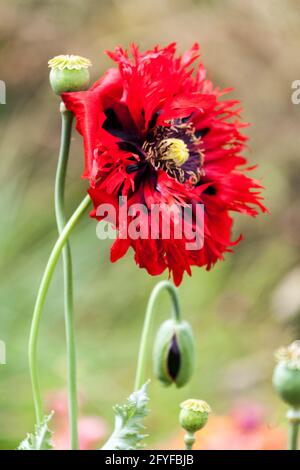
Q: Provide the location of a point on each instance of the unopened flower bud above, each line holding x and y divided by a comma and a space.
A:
286, 377
69, 73
173, 354
193, 415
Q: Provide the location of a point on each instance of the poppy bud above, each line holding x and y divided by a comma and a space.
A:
173, 354
286, 377
69, 73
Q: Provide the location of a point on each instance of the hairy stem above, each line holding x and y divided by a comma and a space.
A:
66, 131
141, 365
293, 435
40, 301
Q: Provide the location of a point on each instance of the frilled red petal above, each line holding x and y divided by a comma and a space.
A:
189, 56
119, 249
88, 109
184, 105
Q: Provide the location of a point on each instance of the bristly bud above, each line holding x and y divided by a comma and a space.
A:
286, 377
69, 73
193, 415
173, 353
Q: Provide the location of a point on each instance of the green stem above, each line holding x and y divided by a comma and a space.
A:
141, 365
66, 131
293, 435
40, 301
189, 440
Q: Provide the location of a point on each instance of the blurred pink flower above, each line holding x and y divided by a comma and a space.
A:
91, 429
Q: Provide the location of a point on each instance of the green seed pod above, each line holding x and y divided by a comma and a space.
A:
173, 353
69, 73
286, 377
193, 415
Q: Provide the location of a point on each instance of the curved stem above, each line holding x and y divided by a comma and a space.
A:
293, 435
66, 131
40, 301
141, 365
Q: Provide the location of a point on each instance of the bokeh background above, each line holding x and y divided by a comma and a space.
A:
241, 311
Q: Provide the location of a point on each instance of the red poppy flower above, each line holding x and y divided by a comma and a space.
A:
156, 131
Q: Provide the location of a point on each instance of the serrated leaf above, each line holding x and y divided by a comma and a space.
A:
128, 431
41, 439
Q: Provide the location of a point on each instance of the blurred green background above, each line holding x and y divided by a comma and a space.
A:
244, 308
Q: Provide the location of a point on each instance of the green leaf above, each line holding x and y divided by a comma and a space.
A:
127, 434
40, 439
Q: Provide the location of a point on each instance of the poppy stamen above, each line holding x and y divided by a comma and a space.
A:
175, 149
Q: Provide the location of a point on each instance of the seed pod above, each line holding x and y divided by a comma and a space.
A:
173, 354
69, 73
286, 377
193, 415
